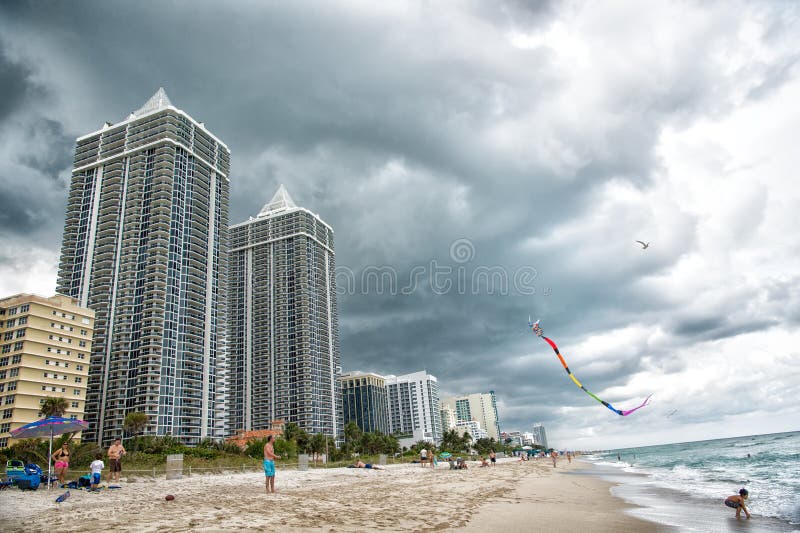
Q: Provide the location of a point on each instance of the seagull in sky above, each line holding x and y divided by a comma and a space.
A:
644, 244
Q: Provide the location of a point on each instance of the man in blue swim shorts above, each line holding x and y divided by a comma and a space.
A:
269, 463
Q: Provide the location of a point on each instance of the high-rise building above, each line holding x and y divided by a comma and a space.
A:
481, 407
284, 338
414, 408
44, 353
145, 246
540, 436
364, 401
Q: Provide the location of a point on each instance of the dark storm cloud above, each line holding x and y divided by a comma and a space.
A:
15, 84
408, 128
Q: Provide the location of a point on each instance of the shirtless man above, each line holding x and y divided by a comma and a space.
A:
269, 463
737, 502
115, 453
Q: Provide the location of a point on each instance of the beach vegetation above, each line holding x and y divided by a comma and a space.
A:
53, 406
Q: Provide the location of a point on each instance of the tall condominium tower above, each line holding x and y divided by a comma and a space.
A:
481, 407
414, 408
284, 339
364, 401
540, 435
144, 246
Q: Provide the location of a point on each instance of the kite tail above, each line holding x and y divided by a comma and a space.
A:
584, 389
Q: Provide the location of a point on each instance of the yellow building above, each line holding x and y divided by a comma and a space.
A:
45, 345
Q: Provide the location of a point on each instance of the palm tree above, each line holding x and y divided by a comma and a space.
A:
351, 433
133, 424
290, 431
53, 407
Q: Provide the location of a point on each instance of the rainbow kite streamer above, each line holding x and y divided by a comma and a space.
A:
539, 333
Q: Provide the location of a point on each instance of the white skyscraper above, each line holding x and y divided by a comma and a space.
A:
539, 435
413, 401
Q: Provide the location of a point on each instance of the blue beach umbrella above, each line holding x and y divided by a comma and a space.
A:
445, 455
50, 426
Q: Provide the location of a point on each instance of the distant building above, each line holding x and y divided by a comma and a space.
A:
481, 407
473, 427
45, 350
284, 334
527, 438
513, 437
364, 401
448, 418
414, 408
539, 436
145, 246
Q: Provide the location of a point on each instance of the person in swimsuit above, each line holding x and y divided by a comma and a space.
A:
61, 458
359, 464
269, 463
737, 502
493, 457
115, 453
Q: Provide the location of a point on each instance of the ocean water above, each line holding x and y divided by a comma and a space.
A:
683, 485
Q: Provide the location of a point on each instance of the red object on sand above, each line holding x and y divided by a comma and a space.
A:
169, 497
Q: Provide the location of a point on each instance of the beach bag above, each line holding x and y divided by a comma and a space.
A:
84, 481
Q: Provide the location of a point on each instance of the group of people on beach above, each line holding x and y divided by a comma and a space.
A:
61, 458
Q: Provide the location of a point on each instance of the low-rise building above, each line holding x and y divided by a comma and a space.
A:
45, 345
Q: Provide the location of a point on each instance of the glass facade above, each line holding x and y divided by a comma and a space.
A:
364, 402
284, 348
144, 246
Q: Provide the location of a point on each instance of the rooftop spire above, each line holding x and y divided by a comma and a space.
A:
157, 101
280, 202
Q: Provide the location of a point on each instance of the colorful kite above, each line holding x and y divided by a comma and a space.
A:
539, 333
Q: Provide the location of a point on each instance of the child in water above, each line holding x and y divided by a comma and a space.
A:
737, 502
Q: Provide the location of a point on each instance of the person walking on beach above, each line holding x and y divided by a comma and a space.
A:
737, 502
269, 463
115, 453
423, 457
554, 456
492, 457
61, 458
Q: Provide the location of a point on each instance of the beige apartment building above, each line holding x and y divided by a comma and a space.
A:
45, 345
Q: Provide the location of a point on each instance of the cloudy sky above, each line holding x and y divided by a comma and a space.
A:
480, 162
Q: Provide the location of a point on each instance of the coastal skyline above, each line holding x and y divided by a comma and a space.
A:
499, 142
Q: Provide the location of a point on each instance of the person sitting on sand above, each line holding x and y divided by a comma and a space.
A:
359, 464
737, 502
484, 462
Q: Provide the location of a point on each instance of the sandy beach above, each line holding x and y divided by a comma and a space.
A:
513, 496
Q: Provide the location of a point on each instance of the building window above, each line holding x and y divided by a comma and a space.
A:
6, 349
2, 374
2, 387
5, 428
20, 333
23, 320
3, 442
78, 367
80, 356
18, 345
11, 323
82, 344
78, 380
76, 392
8, 335
12, 385
7, 412
84, 332
15, 360
24, 308
12, 311
9, 400
14, 372
75, 405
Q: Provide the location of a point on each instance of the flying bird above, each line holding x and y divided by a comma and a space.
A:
644, 244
